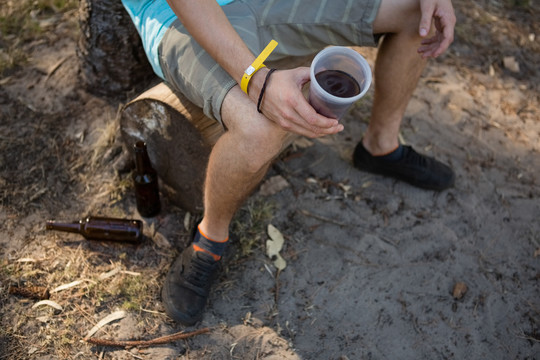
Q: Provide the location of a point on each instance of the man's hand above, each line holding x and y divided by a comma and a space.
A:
441, 14
284, 104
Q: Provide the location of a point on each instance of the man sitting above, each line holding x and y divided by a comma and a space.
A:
205, 49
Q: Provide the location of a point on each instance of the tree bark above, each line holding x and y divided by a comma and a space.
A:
112, 61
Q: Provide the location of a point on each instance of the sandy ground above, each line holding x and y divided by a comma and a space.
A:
371, 263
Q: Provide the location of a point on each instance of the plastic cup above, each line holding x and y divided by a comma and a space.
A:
345, 60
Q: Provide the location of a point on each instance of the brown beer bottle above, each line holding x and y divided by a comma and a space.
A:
146, 182
102, 228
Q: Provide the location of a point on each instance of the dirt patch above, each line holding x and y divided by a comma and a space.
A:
371, 263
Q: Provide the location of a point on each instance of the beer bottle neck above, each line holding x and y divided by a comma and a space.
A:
73, 227
142, 161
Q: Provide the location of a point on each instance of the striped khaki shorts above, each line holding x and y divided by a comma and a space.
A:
301, 27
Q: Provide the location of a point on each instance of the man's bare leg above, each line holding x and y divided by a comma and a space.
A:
397, 70
238, 161
398, 67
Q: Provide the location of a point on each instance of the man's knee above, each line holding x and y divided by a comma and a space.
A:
396, 16
260, 144
255, 137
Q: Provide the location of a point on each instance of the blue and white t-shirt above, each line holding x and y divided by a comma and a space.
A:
152, 18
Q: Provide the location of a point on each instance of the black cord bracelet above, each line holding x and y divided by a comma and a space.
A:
263, 89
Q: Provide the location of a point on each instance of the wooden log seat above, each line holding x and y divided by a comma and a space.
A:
179, 138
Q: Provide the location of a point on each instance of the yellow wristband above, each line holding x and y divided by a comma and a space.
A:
257, 65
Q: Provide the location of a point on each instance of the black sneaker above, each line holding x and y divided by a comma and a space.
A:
187, 285
416, 169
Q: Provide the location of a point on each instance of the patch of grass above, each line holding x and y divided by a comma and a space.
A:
19, 25
132, 288
130, 306
122, 187
465, 30
131, 292
524, 4
11, 58
104, 142
58, 332
249, 225
10, 346
20, 22
56, 5
6, 270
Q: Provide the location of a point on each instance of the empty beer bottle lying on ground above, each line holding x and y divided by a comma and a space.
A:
102, 228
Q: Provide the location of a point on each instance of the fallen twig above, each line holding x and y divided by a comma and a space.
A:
322, 218
56, 67
156, 341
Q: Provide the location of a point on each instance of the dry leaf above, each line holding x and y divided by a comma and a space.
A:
460, 288
161, 241
70, 285
511, 64
273, 185
6, 80
132, 273
302, 143
151, 230
367, 184
274, 246
187, 221
48, 303
117, 315
109, 273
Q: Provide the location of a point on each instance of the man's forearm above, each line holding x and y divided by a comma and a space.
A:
207, 23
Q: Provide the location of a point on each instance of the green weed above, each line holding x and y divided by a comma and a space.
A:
20, 23
249, 226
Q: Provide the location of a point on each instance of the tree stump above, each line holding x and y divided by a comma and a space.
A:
179, 138
178, 135
111, 58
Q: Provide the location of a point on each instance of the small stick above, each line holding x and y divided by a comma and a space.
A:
156, 341
276, 295
56, 67
322, 218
